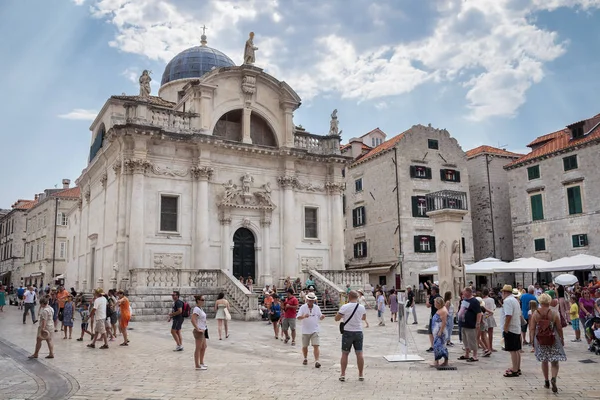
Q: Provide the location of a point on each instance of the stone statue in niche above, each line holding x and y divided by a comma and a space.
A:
457, 269
249, 49
145, 83
264, 197
334, 124
247, 179
230, 191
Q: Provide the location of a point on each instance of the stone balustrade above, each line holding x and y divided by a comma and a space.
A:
172, 120
325, 285
316, 143
243, 302
357, 280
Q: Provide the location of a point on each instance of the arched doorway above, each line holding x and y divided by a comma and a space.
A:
243, 254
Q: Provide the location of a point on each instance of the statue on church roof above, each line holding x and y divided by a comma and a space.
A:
249, 50
334, 124
145, 83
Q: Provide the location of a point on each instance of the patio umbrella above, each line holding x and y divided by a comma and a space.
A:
566, 279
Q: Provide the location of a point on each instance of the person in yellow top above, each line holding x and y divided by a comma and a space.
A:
574, 315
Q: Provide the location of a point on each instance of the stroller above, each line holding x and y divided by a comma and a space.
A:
592, 331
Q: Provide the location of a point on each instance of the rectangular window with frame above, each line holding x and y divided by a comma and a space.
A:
570, 162
359, 217
539, 244
62, 219
424, 244
533, 172
62, 249
574, 200
580, 240
358, 186
360, 250
169, 207
433, 144
449, 175
420, 172
537, 207
419, 206
311, 223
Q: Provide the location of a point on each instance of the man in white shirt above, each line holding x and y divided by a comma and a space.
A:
511, 322
29, 297
310, 315
352, 315
97, 316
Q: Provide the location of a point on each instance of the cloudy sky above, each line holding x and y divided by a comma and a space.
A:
497, 72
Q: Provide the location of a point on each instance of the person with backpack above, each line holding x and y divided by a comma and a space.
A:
177, 317
511, 323
549, 340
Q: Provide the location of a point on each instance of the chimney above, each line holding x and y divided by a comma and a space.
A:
36, 196
66, 183
356, 147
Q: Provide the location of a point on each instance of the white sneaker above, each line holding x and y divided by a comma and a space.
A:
203, 368
204, 365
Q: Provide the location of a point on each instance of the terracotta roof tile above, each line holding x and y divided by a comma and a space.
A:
24, 204
388, 144
154, 100
72, 192
374, 130
348, 145
491, 150
560, 141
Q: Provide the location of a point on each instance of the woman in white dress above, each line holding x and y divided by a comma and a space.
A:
488, 317
362, 301
220, 306
200, 333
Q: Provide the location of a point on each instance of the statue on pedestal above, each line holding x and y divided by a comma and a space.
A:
249, 50
457, 269
334, 124
145, 83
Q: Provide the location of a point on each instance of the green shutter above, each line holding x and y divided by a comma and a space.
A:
574, 199
356, 250
427, 173
456, 176
432, 244
417, 242
585, 242
364, 216
364, 248
443, 174
354, 216
415, 203
413, 171
537, 207
575, 239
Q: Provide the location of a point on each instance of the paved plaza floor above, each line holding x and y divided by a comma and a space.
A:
251, 364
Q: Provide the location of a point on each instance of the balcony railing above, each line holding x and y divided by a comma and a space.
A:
446, 199
316, 143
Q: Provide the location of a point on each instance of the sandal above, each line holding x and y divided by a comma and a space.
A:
49, 356
511, 374
104, 347
547, 384
553, 382
361, 378
293, 343
124, 344
342, 378
473, 359
91, 346
305, 362
463, 358
487, 354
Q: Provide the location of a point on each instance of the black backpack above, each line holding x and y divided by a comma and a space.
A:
109, 307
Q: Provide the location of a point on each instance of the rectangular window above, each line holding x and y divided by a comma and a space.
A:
360, 250
359, 217
419, 206
168, 213
311, 230
358, 185
580, 240
62, 219
570, 162
574, 199
540, 244
424, 244
417, 171
533, 172
449, 175
537, 207
62, 249
432, 144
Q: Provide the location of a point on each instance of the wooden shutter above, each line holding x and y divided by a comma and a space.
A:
443, 174
417, 241
356, 250
432, 244
354, 215
537, 208
456, 176
585, 241
427, 173
364, 216
413, 171
575, 239
415, 205
364, 248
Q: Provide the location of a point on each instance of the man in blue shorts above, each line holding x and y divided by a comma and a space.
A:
352, 314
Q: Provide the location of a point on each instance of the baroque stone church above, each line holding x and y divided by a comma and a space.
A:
206, 182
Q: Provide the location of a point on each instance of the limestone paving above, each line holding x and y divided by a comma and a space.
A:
251, 364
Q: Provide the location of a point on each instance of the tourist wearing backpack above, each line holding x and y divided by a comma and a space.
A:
549, 339
511, 322
177, 317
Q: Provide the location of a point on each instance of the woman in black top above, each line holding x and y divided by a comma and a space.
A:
410, 304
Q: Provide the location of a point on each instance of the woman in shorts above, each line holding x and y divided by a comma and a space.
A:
200, 333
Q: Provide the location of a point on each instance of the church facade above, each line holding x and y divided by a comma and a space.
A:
204, 183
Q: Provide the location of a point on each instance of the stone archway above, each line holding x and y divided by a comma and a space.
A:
244, 255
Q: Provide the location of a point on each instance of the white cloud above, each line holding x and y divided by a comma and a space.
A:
78, 2
80, 114
381, 105
132, 74
490, 47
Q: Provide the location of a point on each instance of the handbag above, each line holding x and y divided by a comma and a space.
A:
227, 315
206, 333
342, 324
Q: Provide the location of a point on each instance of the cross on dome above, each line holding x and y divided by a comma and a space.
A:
203, 37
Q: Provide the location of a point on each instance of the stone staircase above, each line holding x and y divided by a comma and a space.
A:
329, 310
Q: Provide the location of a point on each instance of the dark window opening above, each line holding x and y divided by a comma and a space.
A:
168, 213
580, 240
570, 162
424, 244
540, 244
360, 250
417, 171
311, 230
359, 217
574, 200
432, 144
533, 172
450, 175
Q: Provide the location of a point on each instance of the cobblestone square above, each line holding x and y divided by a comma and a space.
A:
251, 364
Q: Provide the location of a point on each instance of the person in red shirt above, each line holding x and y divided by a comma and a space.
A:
290, 307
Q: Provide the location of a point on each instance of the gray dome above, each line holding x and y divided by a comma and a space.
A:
194, 62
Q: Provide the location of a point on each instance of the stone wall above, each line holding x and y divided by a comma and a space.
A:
558, 226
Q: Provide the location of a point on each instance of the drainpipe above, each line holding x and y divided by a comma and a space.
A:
400, 255
54, 239
487, 166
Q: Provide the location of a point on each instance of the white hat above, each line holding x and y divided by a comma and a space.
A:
311, 296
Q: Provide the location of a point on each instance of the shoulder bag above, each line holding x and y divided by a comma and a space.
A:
342, 324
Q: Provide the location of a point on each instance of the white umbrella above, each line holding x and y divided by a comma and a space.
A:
429, 271
566, 280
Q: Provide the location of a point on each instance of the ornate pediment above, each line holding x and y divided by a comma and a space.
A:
243, 196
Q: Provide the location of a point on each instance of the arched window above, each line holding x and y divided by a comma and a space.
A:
97, 143
229, 127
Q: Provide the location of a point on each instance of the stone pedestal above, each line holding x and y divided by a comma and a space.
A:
451, 272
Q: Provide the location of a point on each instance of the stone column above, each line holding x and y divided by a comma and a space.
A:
265, 276
200, 245
336, 236
120, 237
447, 224
246, 126
288, 182
138, 168
225, 242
